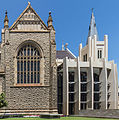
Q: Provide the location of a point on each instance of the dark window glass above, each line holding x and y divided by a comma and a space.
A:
83, 96
28, 66
35, 78
21, 52
83, 87
85, 58
24, 65
28, 78
31, 51
21, 65
96, 96
71, 108
100, 53
71, 97
96, 77
31, 77
83, 76
18, 66
38, 53
96, 87
34, 65
71, 87
38, 66
83, 106
96, 105
17, 78
28, 52
21, 78
71, 76
24, 77
31, 65
24, 52
38, 78
34, 51
60, 91
18, 53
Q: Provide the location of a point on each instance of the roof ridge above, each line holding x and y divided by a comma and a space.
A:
70, 52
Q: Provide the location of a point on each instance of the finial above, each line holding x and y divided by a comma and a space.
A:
6, 12
29, 3
92, 9
62, 46
49, 22
92, 12
49, 12
6, 20
66, 45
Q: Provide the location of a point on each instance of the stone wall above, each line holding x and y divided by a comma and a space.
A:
30, 97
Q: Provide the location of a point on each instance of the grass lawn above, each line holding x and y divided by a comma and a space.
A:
62, 118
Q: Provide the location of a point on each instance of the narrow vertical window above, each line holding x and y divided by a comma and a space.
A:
28, 52
18, 66
21, 77
18, 78
28, 66
38, 78
34, 65
24, 65
85, 58
21, 65
38, 65
99, 54
32, 77
28, 78
24, 52
24, 77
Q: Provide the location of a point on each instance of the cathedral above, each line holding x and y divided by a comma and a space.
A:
28, 72
37, 79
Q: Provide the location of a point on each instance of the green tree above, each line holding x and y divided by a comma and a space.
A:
3, 102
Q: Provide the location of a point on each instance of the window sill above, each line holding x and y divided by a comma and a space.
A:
30, 85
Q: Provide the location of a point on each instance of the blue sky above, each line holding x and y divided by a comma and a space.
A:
71, 19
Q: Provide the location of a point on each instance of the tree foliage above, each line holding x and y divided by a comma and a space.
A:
3, 102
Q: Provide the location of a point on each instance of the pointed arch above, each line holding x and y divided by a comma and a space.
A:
29, 63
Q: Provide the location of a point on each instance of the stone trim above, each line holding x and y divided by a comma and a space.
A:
29, 6
30, 85
28, 31
29, 111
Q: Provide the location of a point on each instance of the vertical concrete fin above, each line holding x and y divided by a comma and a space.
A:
65, 86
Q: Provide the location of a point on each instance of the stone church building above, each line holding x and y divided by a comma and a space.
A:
28, 64
38, 79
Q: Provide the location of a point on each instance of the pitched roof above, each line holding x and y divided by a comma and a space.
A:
28, 14
92, 27
60, 54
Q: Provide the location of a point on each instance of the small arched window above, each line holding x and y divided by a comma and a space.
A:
28, 65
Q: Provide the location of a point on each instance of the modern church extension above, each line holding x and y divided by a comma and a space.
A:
37, 79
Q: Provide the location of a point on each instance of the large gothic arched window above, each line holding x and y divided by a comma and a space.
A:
28, 65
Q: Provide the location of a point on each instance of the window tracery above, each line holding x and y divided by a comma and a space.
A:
28, 65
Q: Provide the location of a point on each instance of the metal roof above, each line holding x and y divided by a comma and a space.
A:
60, 54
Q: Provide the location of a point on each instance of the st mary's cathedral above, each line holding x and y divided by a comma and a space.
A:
37, 79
